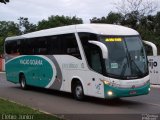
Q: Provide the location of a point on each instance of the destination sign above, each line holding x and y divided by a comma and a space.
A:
113, 39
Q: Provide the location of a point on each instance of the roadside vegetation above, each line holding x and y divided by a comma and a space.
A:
10, 110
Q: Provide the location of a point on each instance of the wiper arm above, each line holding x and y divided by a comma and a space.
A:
123, 69
132, 61
136, 66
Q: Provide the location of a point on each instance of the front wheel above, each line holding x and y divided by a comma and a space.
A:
78, 91
23, 82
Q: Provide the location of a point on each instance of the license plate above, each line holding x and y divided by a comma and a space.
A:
132, 92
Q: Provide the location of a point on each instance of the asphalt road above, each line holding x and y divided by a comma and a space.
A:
63, 104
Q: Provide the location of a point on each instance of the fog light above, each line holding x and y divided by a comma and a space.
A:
110, 93
149, 89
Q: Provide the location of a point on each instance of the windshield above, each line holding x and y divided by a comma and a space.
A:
127, 59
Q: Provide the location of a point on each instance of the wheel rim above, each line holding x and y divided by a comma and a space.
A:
79, 91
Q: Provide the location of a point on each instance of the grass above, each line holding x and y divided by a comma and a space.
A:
16, 111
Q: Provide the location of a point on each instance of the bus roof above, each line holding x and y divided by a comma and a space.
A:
102, 29
14, 38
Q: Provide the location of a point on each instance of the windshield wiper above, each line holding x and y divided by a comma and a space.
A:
123, 69
130, 60
139, 71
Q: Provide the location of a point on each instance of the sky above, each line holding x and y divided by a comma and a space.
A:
37, 10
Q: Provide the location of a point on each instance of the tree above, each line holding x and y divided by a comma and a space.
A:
115, 18
143, 7
157, 23
112, 18
4, 1
7, 29
131, 20
25, 26
149, 29
135, 10
56, 21
98, 20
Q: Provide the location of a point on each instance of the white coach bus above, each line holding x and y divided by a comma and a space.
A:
100, 60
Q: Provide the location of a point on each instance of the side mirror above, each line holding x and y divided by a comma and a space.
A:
154, 48
103, 47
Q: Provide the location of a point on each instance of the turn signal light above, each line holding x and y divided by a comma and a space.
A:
106, 82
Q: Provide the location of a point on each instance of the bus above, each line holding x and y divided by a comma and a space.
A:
100, 60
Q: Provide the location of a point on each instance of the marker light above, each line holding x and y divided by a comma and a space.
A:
110, 93
106, 82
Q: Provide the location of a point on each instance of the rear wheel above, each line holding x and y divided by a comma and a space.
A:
78, 91
23, 82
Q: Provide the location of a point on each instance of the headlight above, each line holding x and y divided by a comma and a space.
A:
109, 93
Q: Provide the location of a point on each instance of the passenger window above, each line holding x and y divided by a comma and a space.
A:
70, 46
34, 46
48, 45
53, 45
12, 47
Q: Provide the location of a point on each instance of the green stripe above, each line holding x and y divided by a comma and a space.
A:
37, 70
126, 92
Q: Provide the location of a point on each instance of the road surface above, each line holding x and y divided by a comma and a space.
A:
63, 104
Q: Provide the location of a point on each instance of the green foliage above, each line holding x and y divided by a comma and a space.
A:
157, 24
112, 18
25, 26
7, 29
149, 28
98, 20
56, 21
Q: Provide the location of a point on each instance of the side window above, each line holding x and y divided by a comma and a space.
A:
53, 45
39, 46
34, 46
12, 47
92, 52
69, 45
26, 47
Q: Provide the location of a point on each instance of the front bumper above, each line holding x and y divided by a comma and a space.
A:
125, 92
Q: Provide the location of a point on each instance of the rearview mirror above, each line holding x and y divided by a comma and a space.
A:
103, 47
154, 48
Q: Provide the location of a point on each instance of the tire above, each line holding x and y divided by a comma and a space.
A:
23, 82
78, 91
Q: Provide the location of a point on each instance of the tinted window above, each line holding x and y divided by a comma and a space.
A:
69, 45
65, 44
33, 46
12, 47
53, 45
92, 52
50, 45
